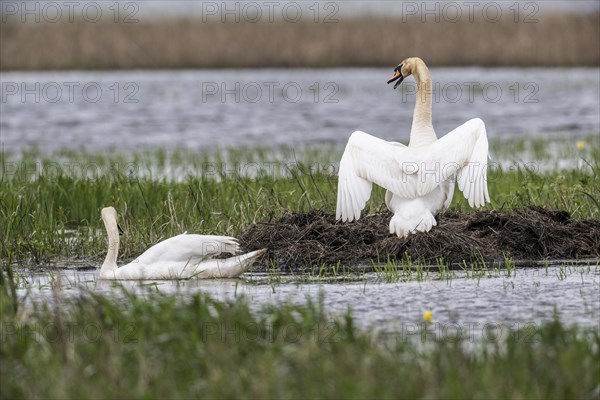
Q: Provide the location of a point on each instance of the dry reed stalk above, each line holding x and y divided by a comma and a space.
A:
556, 40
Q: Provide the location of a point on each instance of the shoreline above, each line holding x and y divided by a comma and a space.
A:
299, 242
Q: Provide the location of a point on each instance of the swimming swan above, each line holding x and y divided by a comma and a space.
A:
420, 177
180, 257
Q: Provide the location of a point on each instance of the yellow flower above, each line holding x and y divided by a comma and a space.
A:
581, 145
428, 316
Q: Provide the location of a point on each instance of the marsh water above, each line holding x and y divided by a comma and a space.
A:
204, 109
128, 111
520, 298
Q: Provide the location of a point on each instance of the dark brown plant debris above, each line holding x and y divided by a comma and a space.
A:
302, 239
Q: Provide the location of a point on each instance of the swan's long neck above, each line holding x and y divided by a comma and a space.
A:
421, 132
110, 262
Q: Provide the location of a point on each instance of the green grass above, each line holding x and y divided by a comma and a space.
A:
162, 346
50, 204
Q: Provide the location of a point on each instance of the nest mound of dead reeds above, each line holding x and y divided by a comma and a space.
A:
302, 239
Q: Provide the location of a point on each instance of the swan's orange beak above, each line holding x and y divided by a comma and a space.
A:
397, 76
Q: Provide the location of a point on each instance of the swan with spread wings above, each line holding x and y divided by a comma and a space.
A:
419, 178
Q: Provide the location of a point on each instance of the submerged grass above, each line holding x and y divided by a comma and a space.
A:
50, 204
161, 346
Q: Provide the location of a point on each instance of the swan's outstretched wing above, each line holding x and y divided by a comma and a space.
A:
464, 152
188, 249
368, 160
411, 172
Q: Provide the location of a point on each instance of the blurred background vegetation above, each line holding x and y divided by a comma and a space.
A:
164, 35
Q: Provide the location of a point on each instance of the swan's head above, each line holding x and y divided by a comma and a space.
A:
109, 217
108, 214
404, 69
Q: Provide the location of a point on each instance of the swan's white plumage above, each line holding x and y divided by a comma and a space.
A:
420, 178
184, 256
189, 248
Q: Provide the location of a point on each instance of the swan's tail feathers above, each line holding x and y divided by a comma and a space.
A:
213, 246
229, 267
231, 245
472, 178
248, 258
403, 225
353, 191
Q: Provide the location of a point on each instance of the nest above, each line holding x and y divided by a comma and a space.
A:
302, 239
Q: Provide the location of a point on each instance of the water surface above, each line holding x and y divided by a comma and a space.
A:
525, 297
205, 109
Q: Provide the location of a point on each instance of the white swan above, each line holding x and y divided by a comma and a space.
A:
420, 177
180, 257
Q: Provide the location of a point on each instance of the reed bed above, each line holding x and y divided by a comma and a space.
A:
554, 40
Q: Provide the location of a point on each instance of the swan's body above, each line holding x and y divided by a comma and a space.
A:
420, 177
183, 256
